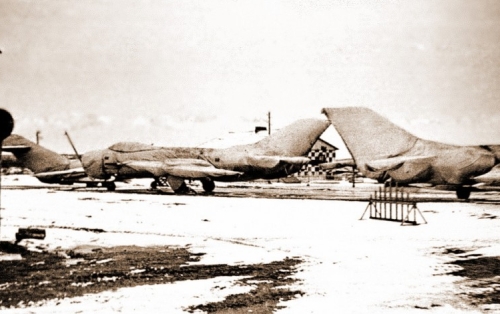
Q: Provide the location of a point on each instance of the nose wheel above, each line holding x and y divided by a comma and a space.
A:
161, 181
184, 189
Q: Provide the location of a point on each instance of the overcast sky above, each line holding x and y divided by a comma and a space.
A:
182, 72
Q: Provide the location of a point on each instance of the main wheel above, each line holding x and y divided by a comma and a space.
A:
463, 193
111, 186
154, 185
182, 189
208, 185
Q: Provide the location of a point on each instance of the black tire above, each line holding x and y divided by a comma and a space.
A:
183, 189
208, 185
154, 185
111, 186
463, 193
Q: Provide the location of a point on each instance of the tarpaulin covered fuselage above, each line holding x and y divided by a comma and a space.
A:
120, 163
278, 155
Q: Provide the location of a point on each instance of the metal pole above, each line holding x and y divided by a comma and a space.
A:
408, 206
38, 137
390, 198
396, 209
353, 176
369, 206
1, 141
380, 202
73, 146
269, 123
385, 202
402, 204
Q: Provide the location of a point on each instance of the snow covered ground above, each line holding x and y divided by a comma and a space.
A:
350, 265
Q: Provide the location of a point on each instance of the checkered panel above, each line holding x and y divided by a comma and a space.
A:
316, 154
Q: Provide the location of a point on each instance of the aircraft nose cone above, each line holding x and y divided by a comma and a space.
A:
92, 164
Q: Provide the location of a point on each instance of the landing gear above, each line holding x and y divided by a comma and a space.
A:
184, 189
463, 193
111, 186
208, 185
161, 181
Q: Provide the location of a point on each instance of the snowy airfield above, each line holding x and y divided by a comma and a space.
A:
349, 265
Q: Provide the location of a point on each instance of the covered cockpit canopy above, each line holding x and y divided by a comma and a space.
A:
132, 147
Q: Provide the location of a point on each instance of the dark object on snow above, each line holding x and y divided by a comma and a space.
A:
30, 233
6, 124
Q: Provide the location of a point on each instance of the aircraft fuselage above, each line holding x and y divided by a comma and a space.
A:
450, 164
105, 163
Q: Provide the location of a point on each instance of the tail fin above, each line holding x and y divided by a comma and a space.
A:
293, 140
33, 156
368, 135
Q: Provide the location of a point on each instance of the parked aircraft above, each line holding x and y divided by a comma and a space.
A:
49, 166
382, 149
277, 155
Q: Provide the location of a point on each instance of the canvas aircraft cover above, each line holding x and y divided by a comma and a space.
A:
132, 147
183, 168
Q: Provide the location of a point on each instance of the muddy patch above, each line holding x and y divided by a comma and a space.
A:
455, 251
488, 216
88, 199
41, 276
270, 281
481, 279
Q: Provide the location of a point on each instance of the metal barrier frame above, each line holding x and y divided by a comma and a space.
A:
386, 205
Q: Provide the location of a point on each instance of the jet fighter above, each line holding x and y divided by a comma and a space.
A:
381, 149
278, 155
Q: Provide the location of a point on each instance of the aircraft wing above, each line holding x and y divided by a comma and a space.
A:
69, 173
16, 148
339, 163
184, 168
393, 163
490, 178
270, 162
